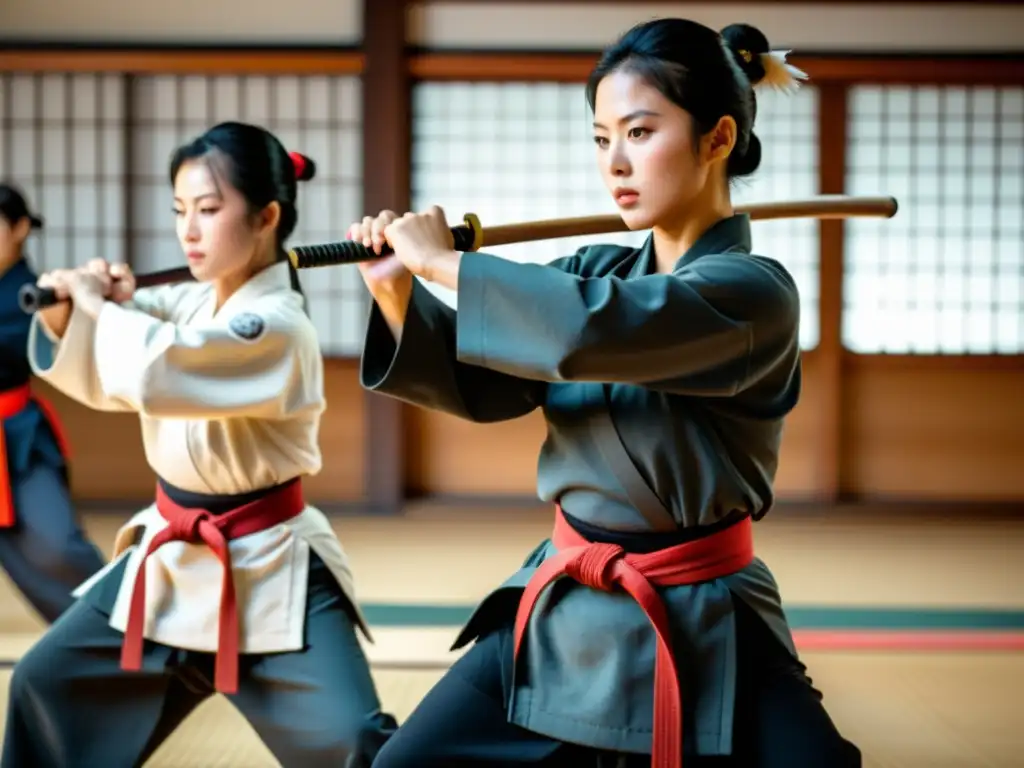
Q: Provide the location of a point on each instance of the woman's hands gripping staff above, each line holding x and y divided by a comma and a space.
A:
87, 288
423, 246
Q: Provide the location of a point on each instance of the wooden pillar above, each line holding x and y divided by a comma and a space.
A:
832, 180
387, 134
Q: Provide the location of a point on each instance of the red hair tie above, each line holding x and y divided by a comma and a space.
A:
299, 161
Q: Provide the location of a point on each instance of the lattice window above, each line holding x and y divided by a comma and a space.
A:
61, 143
319, 116
519, 151
946, 276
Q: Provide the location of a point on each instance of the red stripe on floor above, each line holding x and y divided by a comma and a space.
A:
919, 640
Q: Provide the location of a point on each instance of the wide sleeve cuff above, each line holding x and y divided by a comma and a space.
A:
389, 368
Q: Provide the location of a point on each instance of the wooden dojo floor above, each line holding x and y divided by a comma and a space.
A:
906, 708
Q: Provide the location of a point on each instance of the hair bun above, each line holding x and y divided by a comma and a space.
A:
747, 45
305, 169
759, 63
747, 162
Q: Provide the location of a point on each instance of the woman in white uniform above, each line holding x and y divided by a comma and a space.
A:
226, 375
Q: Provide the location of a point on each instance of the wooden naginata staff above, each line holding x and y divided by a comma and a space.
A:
471, 236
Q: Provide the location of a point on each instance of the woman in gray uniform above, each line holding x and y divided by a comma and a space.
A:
644, 629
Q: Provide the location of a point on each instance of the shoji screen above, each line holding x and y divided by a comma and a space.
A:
60, 142
946, 276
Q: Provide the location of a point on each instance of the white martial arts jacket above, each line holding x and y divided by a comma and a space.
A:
230, 402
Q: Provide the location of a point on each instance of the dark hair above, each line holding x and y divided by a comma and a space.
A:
259, 167
14, 208
709, 74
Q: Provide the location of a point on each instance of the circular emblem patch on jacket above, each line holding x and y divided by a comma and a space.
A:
247, 326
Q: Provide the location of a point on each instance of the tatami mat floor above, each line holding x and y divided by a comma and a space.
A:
906, 710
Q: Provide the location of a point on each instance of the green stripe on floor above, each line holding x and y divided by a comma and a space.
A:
800, 617
903, 619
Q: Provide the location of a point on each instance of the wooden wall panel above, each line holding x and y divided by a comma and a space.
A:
930, 429
800, 476
342, 436
109, 464
449, 457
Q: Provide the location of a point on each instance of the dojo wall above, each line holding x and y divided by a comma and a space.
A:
495, 123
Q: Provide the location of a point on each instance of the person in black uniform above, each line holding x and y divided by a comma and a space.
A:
644, 631
42, 545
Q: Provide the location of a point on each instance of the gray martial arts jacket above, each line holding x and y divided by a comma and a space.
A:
664, 396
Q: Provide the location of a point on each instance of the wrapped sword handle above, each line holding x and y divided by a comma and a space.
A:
467, 237
32, 298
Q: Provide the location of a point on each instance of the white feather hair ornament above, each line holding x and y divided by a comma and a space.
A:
779, 74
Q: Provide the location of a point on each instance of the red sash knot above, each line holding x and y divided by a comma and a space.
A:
608, 567
198, 526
